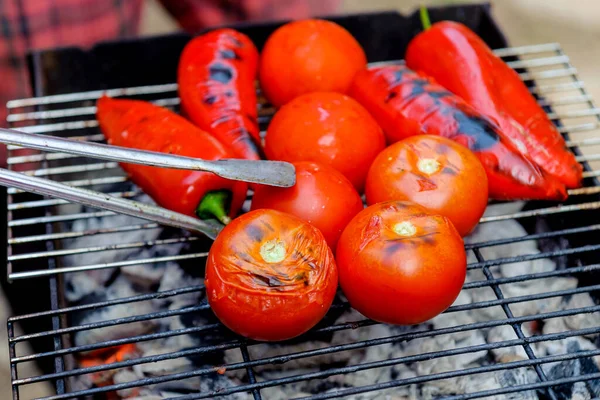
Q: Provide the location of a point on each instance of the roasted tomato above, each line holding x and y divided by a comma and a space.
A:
435, 172
270, 276
308, 56
400, 264
328, 128
322, 196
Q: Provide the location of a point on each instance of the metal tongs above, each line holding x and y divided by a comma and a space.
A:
273, 173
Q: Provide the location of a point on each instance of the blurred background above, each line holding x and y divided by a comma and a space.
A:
572, 23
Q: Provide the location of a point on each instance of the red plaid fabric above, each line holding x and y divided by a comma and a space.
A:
39, 24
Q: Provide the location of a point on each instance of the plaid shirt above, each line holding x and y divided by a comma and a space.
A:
38, 24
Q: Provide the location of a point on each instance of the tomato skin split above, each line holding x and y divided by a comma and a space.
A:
434, 172
270, 276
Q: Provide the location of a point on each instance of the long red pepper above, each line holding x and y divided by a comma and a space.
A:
405, 104
461, 62
142, 125
216, 78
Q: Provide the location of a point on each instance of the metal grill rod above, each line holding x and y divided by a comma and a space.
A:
104, 201
411, 335
298, 355
262, 104
274, 173
327, 373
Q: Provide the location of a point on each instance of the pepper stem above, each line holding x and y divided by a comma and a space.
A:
425, 21
215, 205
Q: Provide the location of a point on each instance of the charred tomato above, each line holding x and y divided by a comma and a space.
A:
435, 172
400, 264
270, 276
322, 196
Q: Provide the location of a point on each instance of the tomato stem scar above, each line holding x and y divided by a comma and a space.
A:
405, 228
273, 251
428, 165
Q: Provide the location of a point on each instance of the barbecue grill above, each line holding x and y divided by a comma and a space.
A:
496, 337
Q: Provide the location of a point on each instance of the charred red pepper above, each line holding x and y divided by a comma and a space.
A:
142, 125
216, 78
461, 62
405, 104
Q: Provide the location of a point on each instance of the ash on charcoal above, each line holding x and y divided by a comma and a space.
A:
505, 333
173, 389
119, 289
518, 377
571, 368
174, 275
581, 321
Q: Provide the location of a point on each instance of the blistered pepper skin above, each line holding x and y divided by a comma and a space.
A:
270, 276
463, 63
216, 76
142, 125
405, 103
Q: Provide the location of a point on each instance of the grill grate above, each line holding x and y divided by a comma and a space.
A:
574, 245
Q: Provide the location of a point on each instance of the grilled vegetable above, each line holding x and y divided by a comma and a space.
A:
270, 276
405, 104
322, 196
141, 125
460, 61
216, 77
328, 128
400, 264
434, 172
308, 56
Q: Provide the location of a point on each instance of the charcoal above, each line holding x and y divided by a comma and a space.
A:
571, 368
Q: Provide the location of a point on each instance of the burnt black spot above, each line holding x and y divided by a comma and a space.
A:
428, 238
390, 96
416, 90
270, 281
220, 73
255, 233
439, 94
209, 100
420, 82
442, 149
229, 93
398, 75
480, 130
449, 171
228, 54
393, 247
236, 42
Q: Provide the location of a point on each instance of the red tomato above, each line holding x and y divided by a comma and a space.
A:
270, 276
328, 128
308, 56
400, 264
322, 196
435, 172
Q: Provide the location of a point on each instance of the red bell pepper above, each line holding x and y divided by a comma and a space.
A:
461, 62
142, 125
405, 104
216, 78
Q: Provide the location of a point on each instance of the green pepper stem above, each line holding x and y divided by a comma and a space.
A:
215, 205
425, 21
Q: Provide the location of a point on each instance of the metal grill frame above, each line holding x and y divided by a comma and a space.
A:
57, 315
